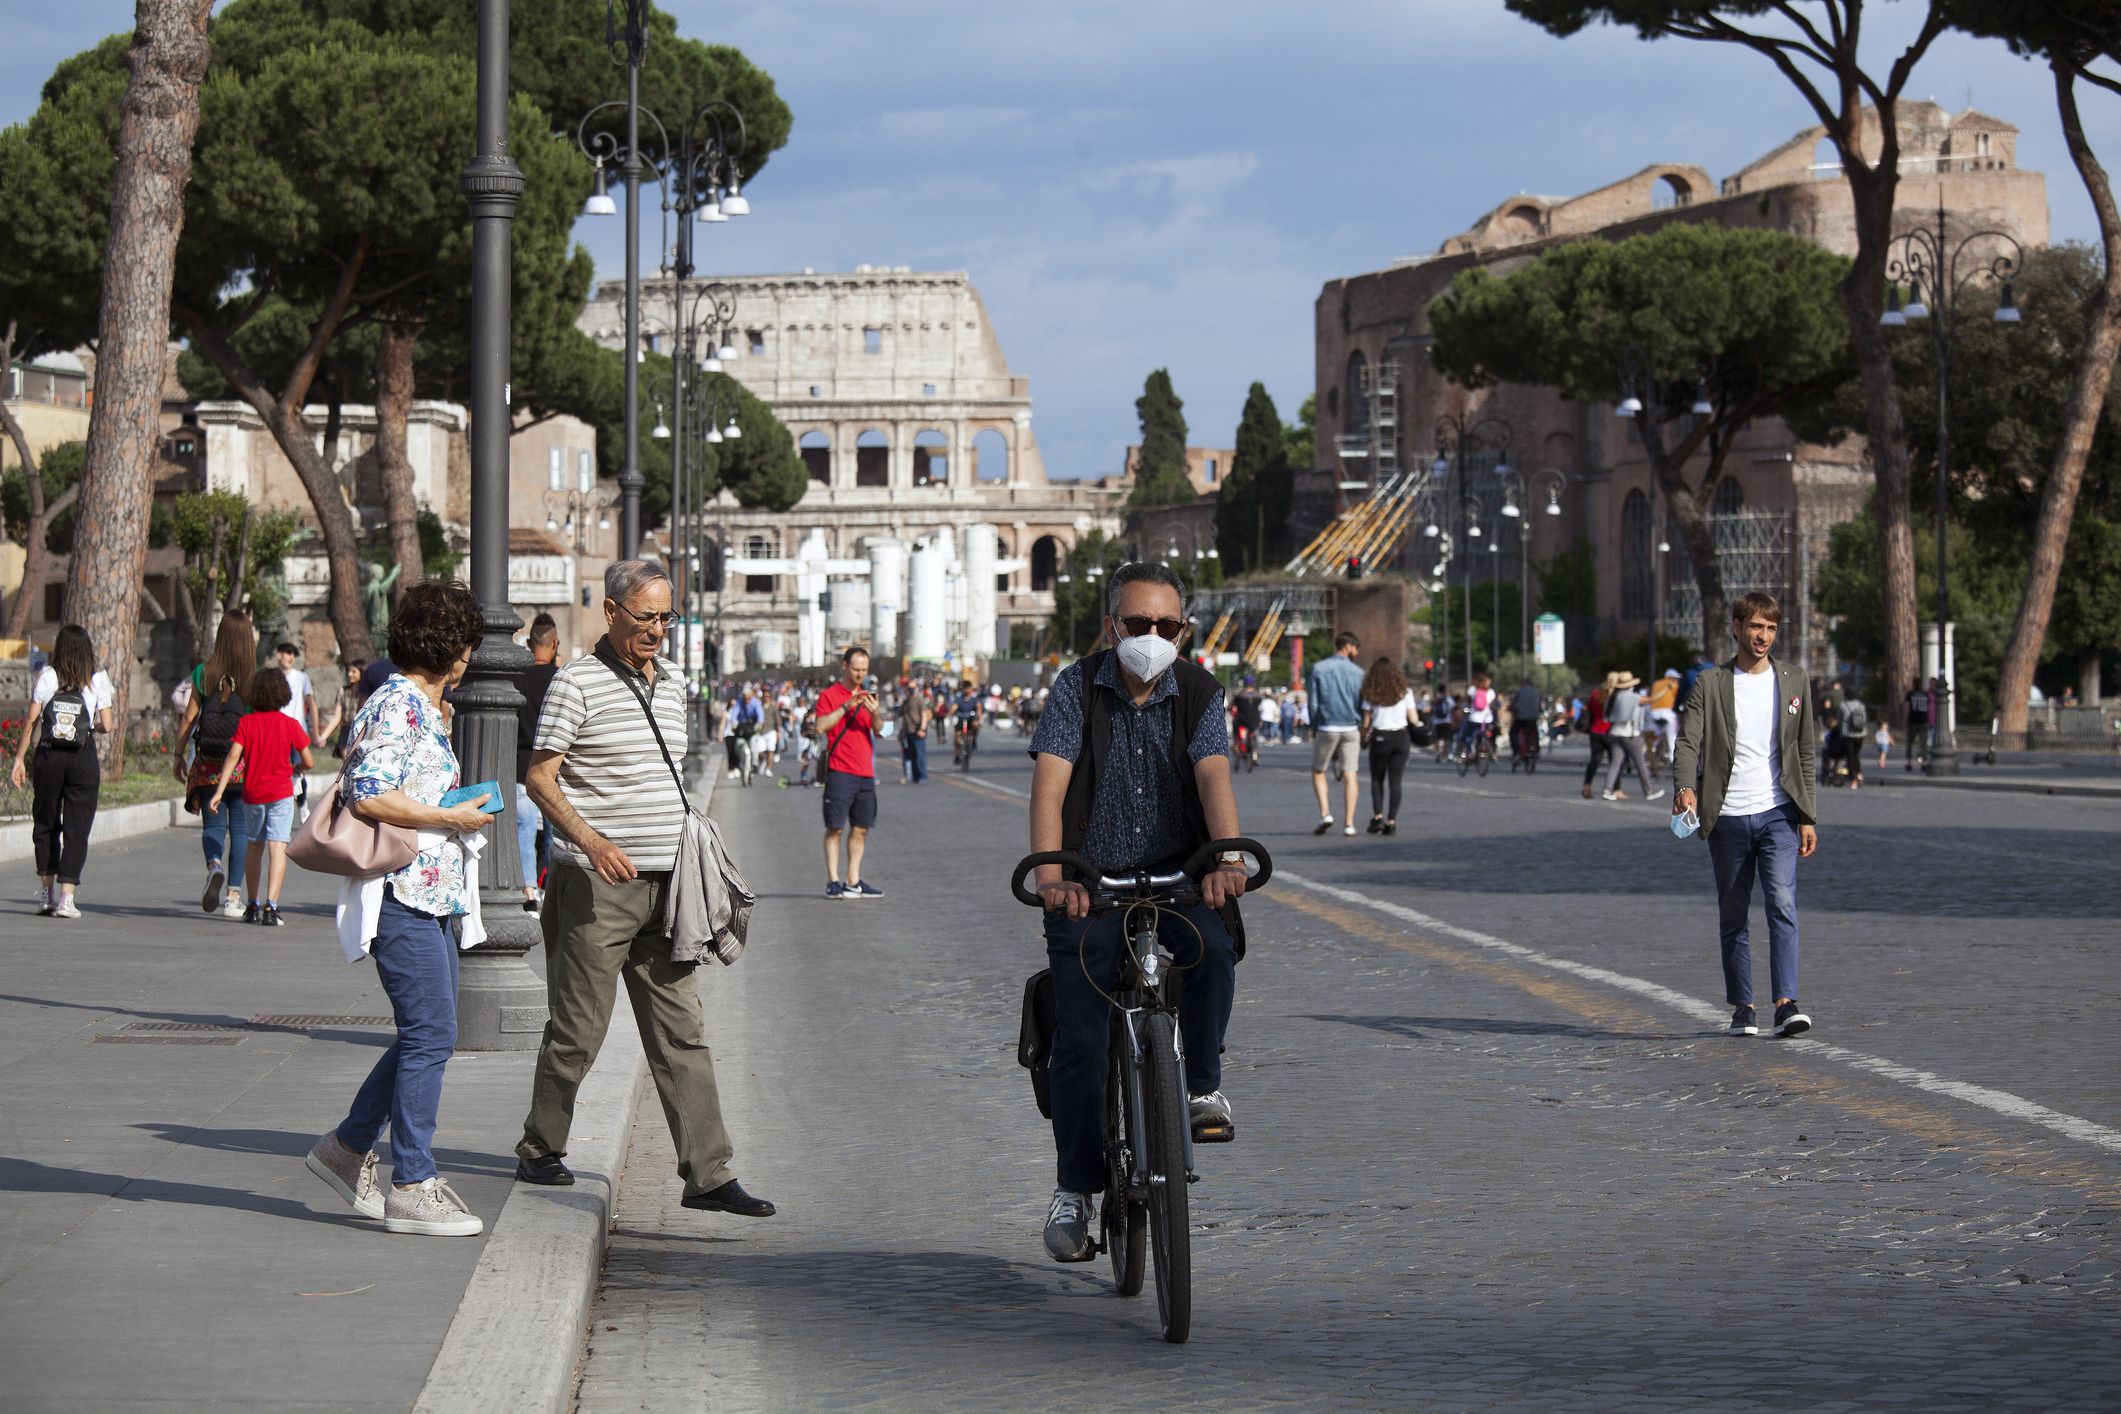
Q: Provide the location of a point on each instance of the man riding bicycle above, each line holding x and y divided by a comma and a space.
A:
965, 710
1132, 772
1244, 711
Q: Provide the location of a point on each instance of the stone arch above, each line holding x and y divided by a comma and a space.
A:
1671, 190
816, 449
1046, 558
990, 455
1635, 575
872, 459
1358, 419
1522, 222
931, 458
1826, 158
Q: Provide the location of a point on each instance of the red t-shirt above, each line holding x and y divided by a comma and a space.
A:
853, 737
269, 740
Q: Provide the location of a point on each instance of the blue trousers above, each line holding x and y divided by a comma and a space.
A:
221, 835
1742, 848
533, 835
1091, 949
917, 759
416, 956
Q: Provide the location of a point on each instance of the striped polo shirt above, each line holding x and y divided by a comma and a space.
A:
610, 769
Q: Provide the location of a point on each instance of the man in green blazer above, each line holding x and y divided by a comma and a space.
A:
1746, 765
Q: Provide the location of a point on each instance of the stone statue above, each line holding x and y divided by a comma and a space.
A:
375, 598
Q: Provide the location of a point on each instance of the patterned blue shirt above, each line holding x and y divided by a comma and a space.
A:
1139, 815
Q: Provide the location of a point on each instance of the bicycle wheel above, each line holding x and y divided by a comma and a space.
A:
1465, 763
1170, 1229
1486, 757
1124, 1224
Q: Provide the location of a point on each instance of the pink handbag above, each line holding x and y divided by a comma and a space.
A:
334, 840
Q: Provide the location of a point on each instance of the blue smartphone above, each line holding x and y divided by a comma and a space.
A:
490, 789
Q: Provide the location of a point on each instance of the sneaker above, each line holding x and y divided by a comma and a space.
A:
1211, 1119
1655, 795
64, 908
1790, 1020
1068, 1227
352, 1176
430, 1209
47, 900
250, 911
1377, 824
1743, 1022
1324, 825
1611, 795
835, 889
862, 888
1347, 829
216, 881
232, 907
269, 916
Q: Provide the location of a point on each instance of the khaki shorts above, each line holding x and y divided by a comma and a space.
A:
1347, 741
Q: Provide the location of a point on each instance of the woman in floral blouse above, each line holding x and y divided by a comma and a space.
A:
399, 764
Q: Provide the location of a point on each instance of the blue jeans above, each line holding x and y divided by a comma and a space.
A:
917, 759
223, 837
1741, 847
533, 835
1082, 1022
416, 957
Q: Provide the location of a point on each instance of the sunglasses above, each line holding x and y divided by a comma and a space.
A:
666, 620
1138, 624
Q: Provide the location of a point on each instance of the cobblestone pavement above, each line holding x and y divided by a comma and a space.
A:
1462, 1180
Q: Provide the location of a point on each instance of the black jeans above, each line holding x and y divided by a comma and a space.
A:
1601, 747
1082, 1021
63, 808
1388, 766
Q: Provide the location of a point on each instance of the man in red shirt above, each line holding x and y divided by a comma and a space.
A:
846, 722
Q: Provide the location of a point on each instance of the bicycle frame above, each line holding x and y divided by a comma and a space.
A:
1142, 990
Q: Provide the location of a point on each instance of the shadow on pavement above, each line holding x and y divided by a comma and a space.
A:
379, 1039
1417, 1027
291, 1144
28, 1176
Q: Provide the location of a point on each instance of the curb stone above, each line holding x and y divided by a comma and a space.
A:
517, 1339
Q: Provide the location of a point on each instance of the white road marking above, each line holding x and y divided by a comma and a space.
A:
988, 785
2000, 1101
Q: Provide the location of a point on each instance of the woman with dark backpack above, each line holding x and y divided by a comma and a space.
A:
69, 703
219, 686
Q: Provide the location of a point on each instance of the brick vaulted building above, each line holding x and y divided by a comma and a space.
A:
1380, 397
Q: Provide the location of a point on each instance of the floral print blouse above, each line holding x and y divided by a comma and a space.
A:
397, 742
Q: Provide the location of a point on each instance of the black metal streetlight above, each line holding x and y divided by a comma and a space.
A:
1455, 439
500, 1001
1926, 260
570, 511
700, 175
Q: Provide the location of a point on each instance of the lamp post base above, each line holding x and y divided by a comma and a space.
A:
501, 1003
1944, 761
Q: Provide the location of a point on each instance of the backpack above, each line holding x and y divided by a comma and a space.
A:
1854, 718
66, 719
216, 728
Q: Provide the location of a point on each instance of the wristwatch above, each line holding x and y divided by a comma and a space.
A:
1231, 857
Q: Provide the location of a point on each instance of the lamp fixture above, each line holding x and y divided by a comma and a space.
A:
733, 432
661, 430
1502, 467
734, 202
1892, 318
1916, 309
711, 213
1553, 503
1702, 406
551, 524
2007, 309
1430, 530
1475, 531
1441, 466
600, 202
1509, 508
1630, 405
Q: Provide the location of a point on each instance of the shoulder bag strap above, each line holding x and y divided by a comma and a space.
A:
604, 655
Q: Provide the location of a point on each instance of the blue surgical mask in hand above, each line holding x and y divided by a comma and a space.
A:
1685, 823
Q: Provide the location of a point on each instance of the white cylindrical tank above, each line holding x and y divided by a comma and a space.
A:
927, 631
982, 552
770, 649
848, 621
887, 594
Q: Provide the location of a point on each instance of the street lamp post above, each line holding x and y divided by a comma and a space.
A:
500, 1001
1925, 258
1455, 438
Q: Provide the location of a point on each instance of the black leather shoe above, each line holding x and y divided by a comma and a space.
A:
548, 1171
730, 1198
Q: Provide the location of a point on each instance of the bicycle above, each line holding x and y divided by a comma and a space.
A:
746, 756
1148, 1124
1482, 755
964, 744
1244, 743
1524, 747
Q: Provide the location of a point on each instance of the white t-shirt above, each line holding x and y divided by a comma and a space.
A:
1392, 718
1756, 776
1269, 712
99, 695
298, 684
1482, 702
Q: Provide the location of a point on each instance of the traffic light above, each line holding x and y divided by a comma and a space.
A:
1428, 668
1355, 567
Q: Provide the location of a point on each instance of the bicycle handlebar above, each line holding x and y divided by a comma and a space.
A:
1140, 882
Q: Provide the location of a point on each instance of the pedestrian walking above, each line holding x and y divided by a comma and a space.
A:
208, 726
1746, 768
1623, 713
70, 702
267, 745
846, 723
1885, 744
1387, 707
533, 833
399, 767
1663, 702
1919, 698
1855, 734
1597, 730
600, 770
1270, 718
1336, 717
915, 716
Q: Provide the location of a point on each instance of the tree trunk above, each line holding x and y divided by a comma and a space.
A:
157, 121
2090, 690
2087, 397
1684, 505
239, 567
394, 350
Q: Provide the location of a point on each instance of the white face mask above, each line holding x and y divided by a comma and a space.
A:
1148, 656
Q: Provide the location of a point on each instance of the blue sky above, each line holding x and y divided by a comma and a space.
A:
1144, 183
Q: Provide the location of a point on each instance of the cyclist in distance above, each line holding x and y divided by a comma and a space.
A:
966, 709
1132, 771
1244, 710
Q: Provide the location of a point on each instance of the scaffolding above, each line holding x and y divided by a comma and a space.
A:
1259, 616
1753, 551
1376, 446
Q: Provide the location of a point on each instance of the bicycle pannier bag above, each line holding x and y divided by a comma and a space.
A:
1034, 1041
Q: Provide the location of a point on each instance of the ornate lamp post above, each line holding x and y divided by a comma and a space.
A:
1925, 260
500, 1001
569, 512
1455, 439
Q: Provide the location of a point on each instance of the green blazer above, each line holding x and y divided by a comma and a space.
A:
1708, 741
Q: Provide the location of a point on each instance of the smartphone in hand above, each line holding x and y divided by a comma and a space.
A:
490, 789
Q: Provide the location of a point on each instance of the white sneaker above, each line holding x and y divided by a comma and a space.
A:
1347, 829
1609, 795
47, 900
232, 906
429, 1209
65, 907
1654, 795
352, 1176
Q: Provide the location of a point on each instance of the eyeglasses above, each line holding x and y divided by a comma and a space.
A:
665, 619
1138, 624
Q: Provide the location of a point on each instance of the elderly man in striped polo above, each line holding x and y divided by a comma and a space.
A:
609, 786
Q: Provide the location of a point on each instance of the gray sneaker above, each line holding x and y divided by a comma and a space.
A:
1211, 1119
352, 1176
64, 908
430, 1209
1068, 1227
